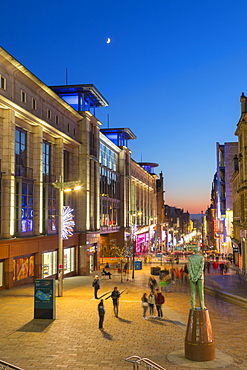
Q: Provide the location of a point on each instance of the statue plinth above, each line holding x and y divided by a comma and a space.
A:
199, 342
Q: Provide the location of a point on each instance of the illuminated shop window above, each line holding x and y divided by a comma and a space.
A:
1, 273
49, 264
69, 260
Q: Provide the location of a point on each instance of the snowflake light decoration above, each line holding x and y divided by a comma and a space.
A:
68, 222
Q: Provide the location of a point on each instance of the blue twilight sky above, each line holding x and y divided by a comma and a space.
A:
173, 73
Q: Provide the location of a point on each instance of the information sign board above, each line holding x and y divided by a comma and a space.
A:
44, 299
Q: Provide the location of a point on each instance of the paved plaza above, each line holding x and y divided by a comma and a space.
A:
74, 342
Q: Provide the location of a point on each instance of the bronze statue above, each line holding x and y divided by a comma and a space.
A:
195, 267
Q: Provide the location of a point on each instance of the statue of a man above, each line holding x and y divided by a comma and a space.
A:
195, 267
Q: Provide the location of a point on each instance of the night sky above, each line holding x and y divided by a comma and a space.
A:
173, 73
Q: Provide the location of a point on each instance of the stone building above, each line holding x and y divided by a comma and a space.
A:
239, 180
50, 139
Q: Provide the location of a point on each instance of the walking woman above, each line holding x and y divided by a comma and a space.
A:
145, 305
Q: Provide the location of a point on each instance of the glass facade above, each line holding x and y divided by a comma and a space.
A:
108, 157
109, 187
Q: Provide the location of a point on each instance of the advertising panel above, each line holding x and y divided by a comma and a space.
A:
44, 299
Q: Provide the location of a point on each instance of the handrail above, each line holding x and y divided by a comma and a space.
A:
6, 366
136, 360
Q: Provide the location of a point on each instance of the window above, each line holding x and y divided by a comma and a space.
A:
56, 119
68, 127
48, 113
49, 209
34, 104
20, 148
3, 83
66, 165
46, 149
23, 96
74, 132
24, 206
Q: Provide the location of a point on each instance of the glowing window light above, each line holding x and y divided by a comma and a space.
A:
68, 222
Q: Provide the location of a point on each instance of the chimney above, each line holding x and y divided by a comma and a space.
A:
243, 101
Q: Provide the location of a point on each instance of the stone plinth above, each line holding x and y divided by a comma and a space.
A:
199, 342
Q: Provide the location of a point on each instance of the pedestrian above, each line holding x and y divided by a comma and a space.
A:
208, 266
152, 283
145, 305
186, 273
107, 273
159, 300
215, 266
151, 302
222, 267
96, 286
101, 311
115, 300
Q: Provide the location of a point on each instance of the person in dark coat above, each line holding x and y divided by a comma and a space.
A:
96, 286
159, 300
101, 311
115, 297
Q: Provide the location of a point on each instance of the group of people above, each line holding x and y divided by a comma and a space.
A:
217, 265
154, 299
101, 309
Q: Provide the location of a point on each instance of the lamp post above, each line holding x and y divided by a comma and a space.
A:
62, 187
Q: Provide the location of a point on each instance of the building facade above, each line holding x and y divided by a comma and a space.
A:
239, 180
223, 197
50, 142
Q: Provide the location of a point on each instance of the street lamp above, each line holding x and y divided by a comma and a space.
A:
62, 187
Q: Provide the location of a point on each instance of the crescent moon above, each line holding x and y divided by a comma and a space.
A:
108, 40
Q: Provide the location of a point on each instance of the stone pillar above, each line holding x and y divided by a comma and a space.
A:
8, 177
199, 342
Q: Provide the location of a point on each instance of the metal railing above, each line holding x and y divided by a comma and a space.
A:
6, 366
146, 362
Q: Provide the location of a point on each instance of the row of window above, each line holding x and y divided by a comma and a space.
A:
3, 85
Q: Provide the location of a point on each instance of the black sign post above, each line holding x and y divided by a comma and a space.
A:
44, 299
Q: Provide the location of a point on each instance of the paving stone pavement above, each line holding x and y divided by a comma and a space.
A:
74, 342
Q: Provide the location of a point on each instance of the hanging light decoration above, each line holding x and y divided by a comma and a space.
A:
68, 222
